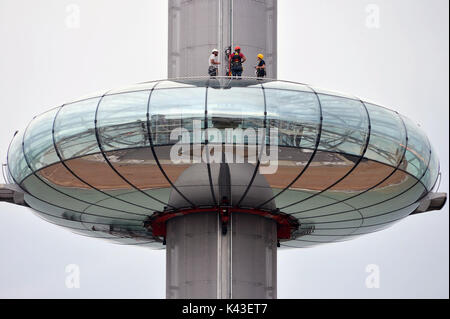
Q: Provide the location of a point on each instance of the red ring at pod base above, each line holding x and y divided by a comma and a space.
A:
286, 224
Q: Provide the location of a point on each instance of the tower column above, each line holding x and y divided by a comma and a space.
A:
198, 26
203, 262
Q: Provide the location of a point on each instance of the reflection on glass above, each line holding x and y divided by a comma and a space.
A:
418, 153
280, 85
90, 212
236, 108
131, 186
38, 142
147, 86
180, 84
174, 109
122, 121
431, 176
58, 177
345, 125
325, 169
387, 137
75, 129
296, 115
16, 161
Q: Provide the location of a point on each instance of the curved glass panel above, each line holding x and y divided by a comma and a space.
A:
147, 86
171, 110
235, 108
326, 169
430, 178
38, 141
177, 117
281, 85
59, 178
94, 170
75, 129
122, 121
387, 136
7, 175
227, 83
391, 189
177, 84
236, 116
378, 221
16, 160
408, 197
121, 234
64, 218
336, 94
138, 171
296, 115
91, 213
367, 175
186, 190
345, 125
93, 95
418, 153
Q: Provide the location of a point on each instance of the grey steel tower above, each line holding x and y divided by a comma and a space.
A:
198, 26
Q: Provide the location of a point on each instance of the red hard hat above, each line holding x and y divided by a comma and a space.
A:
237, 48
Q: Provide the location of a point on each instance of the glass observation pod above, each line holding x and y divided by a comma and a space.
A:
335, 166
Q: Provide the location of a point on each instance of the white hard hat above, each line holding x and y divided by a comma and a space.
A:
215, 50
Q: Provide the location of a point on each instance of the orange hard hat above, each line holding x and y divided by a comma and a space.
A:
237, 48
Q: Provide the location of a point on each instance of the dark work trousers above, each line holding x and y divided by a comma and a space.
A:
236, 70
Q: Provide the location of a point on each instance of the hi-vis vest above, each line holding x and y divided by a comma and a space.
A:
236, 59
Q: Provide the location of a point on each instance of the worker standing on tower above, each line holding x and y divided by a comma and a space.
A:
213, 63
261, 67
236, 60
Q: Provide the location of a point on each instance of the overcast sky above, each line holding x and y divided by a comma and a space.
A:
399, 61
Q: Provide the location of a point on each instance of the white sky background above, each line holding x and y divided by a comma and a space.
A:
403, 64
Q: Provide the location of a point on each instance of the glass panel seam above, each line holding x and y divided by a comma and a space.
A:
149, 131
351, 170
97, 136
208, 165
258, 164
382, 202
375, 186
316, 147
82, 180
